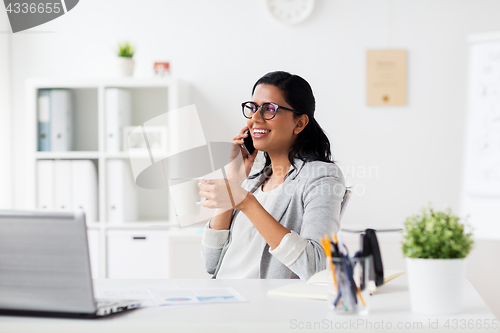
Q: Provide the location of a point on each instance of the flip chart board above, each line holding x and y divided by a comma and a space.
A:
481, 181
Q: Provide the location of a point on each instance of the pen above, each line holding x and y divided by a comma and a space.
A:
325, 242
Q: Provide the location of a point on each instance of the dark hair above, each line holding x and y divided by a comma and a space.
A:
312, 144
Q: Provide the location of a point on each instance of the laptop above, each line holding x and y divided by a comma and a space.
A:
45, 267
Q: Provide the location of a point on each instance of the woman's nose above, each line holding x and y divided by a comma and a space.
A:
257, 116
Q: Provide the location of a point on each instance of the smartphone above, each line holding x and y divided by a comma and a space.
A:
248, 144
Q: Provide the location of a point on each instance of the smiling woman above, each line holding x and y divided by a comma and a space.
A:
270, 225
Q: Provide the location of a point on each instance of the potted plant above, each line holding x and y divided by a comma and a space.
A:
435, 245
125, 61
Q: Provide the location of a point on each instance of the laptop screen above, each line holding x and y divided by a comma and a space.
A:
44, 262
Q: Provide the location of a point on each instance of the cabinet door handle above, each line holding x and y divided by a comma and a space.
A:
139, 237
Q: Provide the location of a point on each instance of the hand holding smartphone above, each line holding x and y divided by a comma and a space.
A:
248, 143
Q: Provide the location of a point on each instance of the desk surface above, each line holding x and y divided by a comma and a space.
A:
390, 311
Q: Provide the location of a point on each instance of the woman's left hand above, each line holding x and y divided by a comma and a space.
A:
221, 193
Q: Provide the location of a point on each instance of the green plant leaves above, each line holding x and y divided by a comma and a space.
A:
435, 235
126, 50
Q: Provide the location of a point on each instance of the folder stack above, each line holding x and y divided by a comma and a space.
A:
121, 205
118, 115
55, 120
68, 185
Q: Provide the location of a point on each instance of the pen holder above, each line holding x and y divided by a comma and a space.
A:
349, 282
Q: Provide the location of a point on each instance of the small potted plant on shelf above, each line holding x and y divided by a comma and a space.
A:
435, 245
125, 61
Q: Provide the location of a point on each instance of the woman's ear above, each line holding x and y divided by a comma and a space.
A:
300, 123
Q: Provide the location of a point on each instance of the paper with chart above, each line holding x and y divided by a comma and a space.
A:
197, 296
482, 172
140, 292
169, 295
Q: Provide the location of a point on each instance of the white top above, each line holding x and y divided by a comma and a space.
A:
242, 259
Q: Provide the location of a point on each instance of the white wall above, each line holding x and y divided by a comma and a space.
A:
6, 161
223, 47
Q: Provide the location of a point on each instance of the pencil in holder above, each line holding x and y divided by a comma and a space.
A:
348, 290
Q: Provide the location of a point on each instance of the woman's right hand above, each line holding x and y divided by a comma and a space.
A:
236, 170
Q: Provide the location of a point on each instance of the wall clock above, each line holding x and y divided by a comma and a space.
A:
290, 11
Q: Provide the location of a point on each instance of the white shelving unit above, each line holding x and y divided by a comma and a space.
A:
150, 98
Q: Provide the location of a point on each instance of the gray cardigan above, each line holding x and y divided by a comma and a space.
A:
309, 204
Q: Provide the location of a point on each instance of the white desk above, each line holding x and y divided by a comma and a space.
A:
263, 313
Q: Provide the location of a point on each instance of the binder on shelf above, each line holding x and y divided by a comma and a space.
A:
118, 115
62, 185
121, 197
45, 184
44, 120
94, 249
84, 188
61, 120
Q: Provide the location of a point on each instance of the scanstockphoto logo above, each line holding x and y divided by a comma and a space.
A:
26, 14
171, 152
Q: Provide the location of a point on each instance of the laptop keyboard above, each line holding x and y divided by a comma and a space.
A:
107, 307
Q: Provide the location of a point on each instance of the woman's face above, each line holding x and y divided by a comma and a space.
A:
279, 132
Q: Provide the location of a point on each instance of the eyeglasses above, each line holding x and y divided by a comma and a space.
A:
267, 110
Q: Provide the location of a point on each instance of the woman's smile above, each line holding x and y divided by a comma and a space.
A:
258, 132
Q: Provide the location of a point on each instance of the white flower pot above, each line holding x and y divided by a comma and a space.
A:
125, 66
436, 285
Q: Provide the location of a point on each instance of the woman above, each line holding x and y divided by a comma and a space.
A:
280, 212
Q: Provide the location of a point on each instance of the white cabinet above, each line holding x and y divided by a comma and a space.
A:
185, 254
136, 244
138, 254
160, 254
